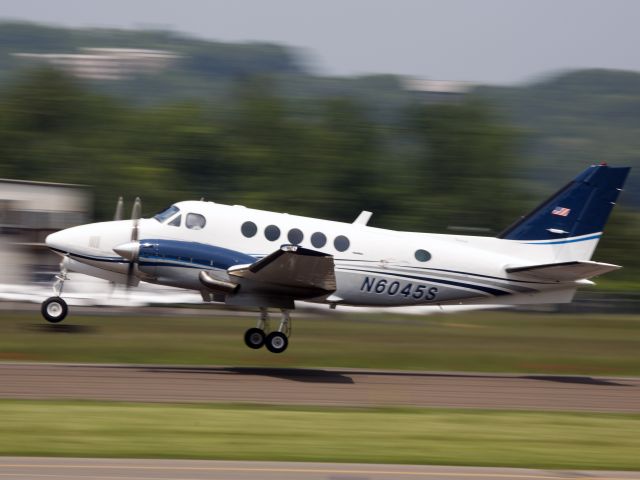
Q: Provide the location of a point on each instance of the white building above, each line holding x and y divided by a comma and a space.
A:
437, 90
29, 211
106, 63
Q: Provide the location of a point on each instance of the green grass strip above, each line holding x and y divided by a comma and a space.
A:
407, 435
479, 341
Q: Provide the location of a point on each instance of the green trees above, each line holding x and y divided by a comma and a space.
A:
439, 167
465, 169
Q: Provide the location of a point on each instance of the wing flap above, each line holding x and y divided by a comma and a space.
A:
293, 270
564, 271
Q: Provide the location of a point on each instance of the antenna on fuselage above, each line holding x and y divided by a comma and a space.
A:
363, 218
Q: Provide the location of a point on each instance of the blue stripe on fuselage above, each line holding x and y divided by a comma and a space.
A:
567, 240
159, 251
482, 288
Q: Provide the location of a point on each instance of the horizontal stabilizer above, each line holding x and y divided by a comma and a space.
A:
291, 270
564, 271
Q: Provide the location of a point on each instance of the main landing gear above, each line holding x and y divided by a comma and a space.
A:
276, 341
54, 309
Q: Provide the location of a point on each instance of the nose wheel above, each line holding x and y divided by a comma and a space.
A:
54, 309
276, 341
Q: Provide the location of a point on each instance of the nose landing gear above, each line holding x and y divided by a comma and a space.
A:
277, 341
54, 309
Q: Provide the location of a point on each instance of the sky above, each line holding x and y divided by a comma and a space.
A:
480, 41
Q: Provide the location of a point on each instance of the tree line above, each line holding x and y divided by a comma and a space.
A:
441, 167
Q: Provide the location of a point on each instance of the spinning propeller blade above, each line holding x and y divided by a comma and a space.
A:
129, 250
135, 216
118, 214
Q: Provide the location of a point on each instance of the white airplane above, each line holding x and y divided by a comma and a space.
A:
253, 258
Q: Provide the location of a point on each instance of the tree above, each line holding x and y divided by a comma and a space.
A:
465, 169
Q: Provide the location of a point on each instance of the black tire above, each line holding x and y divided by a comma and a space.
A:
254, 338
277, 342
54, 309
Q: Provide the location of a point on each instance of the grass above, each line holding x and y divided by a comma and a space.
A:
485, 341
481, 341
416, 436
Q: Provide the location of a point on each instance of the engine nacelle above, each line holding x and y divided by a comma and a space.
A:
179, 263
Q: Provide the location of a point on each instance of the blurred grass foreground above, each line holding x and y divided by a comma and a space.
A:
363, 435
477, 341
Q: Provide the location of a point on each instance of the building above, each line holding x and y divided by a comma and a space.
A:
437, 90
29, 211
106, 63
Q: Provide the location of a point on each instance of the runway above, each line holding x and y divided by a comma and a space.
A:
128, 469
330, 387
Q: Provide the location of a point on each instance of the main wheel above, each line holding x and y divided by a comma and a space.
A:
254, 338
277, 342
54, 309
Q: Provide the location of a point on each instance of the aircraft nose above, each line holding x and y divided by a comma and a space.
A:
59, 241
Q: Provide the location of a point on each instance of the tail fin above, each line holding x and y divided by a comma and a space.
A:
576, 213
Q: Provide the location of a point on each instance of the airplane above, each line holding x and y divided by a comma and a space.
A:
244, 257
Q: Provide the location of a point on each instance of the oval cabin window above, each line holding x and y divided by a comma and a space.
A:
422, 255
272, 233
249, 229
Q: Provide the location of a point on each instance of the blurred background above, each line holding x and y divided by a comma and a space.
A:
480, 113
454, 116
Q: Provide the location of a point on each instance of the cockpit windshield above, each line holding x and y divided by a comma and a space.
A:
164, 215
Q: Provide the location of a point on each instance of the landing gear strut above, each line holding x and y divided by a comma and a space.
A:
54, 309
276, 341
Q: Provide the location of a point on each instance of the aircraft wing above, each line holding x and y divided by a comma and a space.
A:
564, 271
292, 271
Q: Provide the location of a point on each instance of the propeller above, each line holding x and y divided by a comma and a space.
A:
130, 249
135, 216
118, 214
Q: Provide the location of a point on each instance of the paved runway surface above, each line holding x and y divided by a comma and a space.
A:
152, 383
126, 469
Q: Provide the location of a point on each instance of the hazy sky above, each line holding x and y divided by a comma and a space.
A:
494, 41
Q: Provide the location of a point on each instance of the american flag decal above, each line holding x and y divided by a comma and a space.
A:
563, 212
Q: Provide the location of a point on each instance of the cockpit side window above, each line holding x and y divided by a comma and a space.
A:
176, 221
164, 215
195, 221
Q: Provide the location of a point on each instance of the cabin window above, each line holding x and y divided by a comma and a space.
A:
295, 236
272, 233
176, 221
341, 243
249, 229
318, 240
166, 213
195, 221
422, 255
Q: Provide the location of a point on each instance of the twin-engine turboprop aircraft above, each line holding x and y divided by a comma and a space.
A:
253, 258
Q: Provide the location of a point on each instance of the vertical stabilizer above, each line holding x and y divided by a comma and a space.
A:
574, 215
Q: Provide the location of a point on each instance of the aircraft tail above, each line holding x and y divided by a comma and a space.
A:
572, 220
